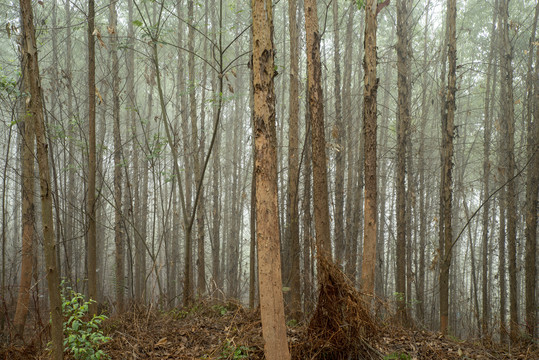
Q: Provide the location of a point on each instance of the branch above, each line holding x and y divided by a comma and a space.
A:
381, 5
489, 197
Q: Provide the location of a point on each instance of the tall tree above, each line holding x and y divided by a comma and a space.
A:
448, 118
35, 106
532, 185
118, 213
132, 111
70, 213
293, 165
369, 130
28, 215
91, 197
338, 134
316, 106
508, 148
486, 172
531, 215
403, 125
267, 212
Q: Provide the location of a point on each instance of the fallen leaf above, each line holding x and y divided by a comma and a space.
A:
162, 342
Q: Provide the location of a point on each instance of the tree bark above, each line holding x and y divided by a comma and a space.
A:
267, 213
508, 143
91, 197
487, 134
28, 213
293, 166
447, 166
370, 129
314, 83
35, 106
338, 134
532, 185
403, 124
118, 213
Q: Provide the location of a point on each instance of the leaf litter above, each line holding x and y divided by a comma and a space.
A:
340, 328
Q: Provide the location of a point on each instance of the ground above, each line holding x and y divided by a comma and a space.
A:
218, 330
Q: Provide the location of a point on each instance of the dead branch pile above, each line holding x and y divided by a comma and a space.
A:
341, 326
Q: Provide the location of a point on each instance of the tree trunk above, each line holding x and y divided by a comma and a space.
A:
486, 183
508, 143
532, 184
28, 214
403, 124
118, 213
531, 214
447, 166
420, 286
369, 130
308, 247
36, 115
293, 167
314, 83
69, 220
91, 197
338, 134
269, 269
351, 148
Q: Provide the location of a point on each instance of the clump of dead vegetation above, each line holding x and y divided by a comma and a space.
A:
341, 326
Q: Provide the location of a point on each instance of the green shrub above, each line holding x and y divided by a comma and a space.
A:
82, 336
220, 309
230, 351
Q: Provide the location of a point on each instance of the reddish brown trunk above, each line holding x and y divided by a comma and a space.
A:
369, 129
267, 212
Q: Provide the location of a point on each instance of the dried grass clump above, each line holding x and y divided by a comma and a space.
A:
341, 326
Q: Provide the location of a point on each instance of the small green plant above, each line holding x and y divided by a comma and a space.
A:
82, 337
220, 309
397, 356
178, 314
230, 351
292, 323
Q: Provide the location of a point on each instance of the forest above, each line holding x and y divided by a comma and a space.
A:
228, 179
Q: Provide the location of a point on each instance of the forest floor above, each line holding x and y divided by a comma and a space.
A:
340, 328
229, 331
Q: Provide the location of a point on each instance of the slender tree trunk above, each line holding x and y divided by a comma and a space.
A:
486, 183
293, 166
382, 182
252, 244
447, 166
91, 197
532, 184
403, 124
132, 115
216, 222
36, 115
314, 81
338, 134
269, 269
57, 116
70, 209
508, 143
28, 215
308, 247
420, 289
369, 129
4, 223
118, 213
351, 186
